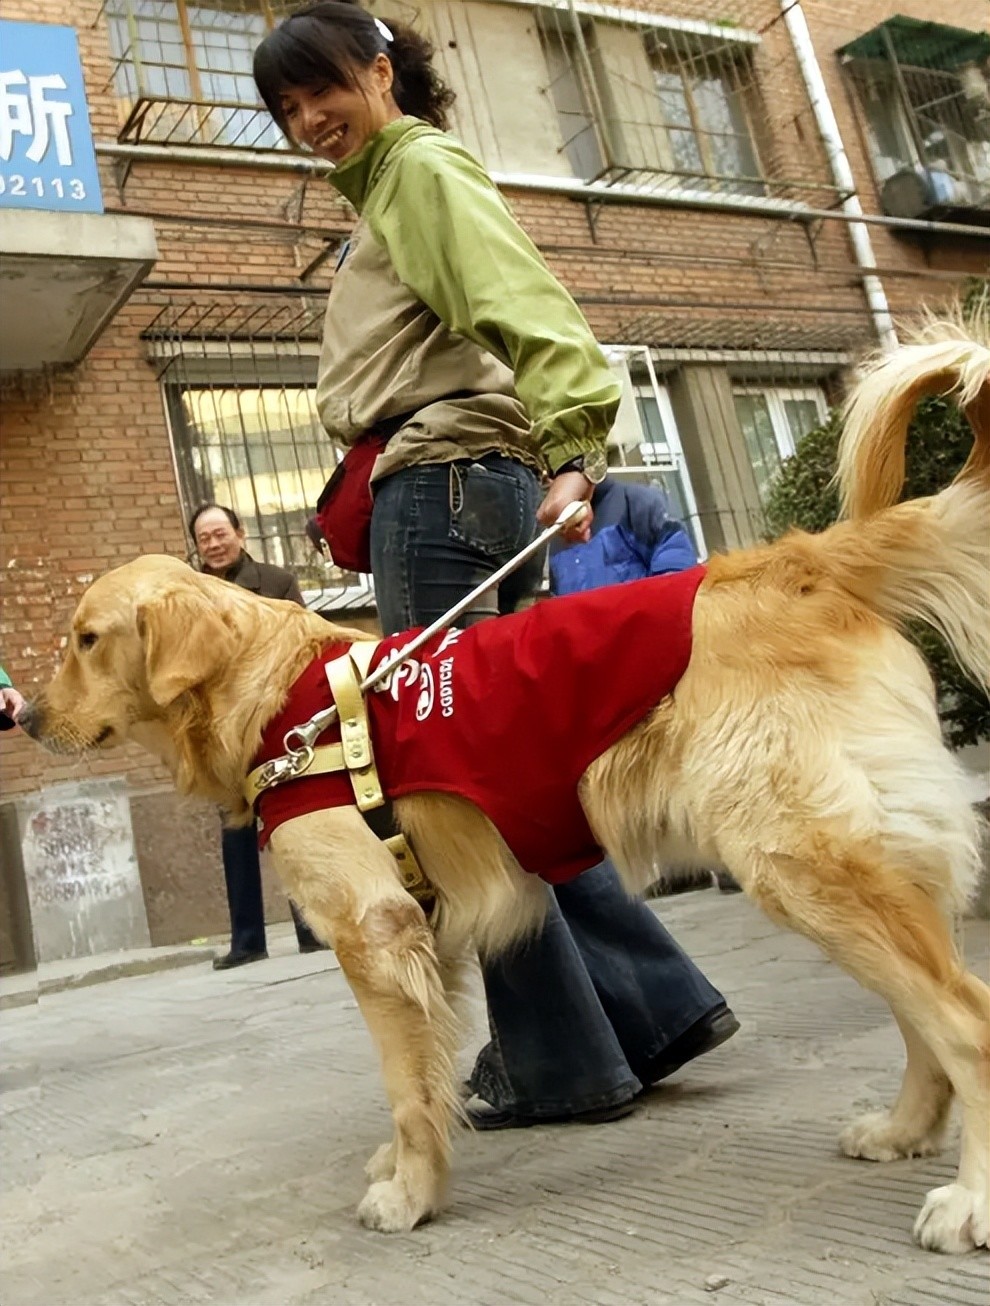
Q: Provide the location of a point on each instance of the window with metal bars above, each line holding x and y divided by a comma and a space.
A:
634, 97
923, 92
182, 70
238, 386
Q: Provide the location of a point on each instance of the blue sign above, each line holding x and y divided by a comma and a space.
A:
46, 145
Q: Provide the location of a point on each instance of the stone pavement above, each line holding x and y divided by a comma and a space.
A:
190, 1137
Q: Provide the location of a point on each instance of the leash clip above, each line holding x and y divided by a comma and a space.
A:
279, 769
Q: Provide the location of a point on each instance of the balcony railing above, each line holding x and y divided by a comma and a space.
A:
922, 90
176, 121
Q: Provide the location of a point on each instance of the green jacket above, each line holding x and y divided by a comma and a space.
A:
442, 293
5, 680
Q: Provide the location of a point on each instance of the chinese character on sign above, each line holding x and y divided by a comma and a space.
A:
47, 159
43, 120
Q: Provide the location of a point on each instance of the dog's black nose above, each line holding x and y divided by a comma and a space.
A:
29, 719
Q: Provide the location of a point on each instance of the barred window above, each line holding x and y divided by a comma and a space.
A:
923, 93
238, 384
185, 68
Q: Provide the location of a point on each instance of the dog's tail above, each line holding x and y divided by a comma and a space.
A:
927, 558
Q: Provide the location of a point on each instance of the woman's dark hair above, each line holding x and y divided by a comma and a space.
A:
231, 516
324, 44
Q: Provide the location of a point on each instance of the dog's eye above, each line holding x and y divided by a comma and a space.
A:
87, 639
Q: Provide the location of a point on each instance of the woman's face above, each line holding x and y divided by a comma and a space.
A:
337, 121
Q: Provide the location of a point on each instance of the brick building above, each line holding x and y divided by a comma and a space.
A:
692, 170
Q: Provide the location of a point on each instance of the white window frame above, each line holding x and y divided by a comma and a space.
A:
626, 358
775, 397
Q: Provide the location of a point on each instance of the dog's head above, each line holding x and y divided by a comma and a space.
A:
142, 636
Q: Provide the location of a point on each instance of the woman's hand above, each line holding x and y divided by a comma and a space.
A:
11, 702
565, 489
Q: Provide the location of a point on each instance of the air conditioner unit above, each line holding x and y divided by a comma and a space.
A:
914, 192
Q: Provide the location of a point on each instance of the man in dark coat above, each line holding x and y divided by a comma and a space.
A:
220, 538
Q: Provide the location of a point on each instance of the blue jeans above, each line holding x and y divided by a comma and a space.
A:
579, 1013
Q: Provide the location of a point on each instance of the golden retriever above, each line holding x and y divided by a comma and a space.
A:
801, 750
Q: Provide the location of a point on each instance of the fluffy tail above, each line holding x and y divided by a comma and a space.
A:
927, 558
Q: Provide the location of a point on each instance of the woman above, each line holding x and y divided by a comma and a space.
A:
447, 333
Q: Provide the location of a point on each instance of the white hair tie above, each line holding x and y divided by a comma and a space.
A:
383, 31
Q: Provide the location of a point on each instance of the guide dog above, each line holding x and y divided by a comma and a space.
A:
800, 749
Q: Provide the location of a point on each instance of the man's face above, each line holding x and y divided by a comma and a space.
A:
217, 543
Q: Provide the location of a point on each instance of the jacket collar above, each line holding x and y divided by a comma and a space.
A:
355, 178
243, 572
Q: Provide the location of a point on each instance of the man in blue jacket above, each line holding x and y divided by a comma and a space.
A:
632, 536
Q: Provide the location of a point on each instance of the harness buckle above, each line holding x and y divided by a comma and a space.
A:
284, 768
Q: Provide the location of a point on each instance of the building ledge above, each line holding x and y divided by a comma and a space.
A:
63, 278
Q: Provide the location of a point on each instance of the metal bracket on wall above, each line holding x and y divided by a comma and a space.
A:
330, 249
592, 211
121, 172
812, 230
294, 205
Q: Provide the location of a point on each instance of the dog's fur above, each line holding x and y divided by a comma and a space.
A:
801, 750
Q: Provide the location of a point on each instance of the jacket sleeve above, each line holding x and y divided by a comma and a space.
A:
452, 240
292, 590
5, 681
666, 545
675, 552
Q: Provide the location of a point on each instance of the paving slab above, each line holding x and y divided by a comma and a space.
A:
188, 1136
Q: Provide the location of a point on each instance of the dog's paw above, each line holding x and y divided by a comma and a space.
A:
381, 1164
954, 1219
389, 1208
875, 1137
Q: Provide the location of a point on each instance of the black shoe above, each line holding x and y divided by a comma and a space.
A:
314, 945
232, 959
705, 1035
485, 1117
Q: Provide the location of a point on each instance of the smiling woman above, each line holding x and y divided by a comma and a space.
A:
333, 76
456, 368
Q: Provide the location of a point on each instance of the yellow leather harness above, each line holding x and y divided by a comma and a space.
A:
354, 754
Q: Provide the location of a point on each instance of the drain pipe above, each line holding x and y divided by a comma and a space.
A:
859, 234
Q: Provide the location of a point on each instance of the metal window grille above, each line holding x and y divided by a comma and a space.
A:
238, 382
694, 100
182, 71
922, 92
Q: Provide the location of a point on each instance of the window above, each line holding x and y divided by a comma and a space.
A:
773, 422
238, 383
261, 451
644, 445
924, 95
571, 90
705, 118
194, 59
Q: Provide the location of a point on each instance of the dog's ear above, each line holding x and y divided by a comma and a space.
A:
186, 643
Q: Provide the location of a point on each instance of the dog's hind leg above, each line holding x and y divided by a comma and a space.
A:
348, 886
890, 936
915, 1124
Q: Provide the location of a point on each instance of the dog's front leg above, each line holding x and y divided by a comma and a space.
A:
347, 884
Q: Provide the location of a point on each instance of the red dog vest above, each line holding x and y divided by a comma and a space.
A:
507, 714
